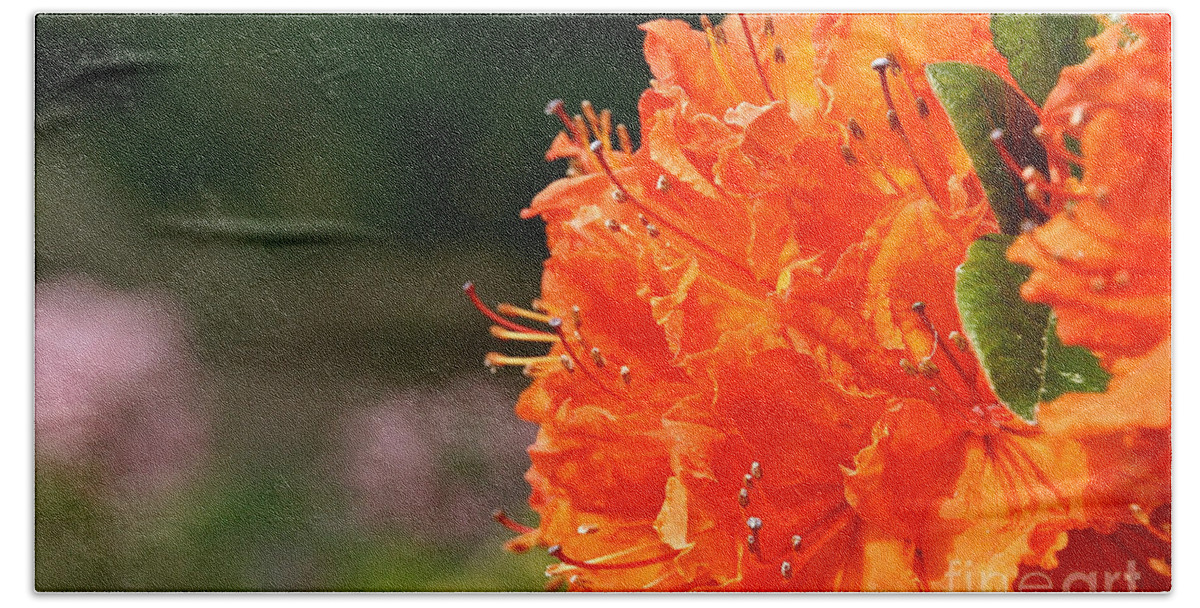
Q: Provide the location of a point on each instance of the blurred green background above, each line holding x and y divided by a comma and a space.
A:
311, 192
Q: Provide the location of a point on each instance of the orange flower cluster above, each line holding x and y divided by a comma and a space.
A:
758, 378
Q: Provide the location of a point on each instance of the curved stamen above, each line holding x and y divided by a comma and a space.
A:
557, 552
469, 289
881, 66
503, 519
762, 76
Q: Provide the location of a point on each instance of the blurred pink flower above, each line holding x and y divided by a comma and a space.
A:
115, 385
436, 461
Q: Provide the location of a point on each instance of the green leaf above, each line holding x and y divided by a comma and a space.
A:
1070, 369
1016, 341
978, 102
1039, 46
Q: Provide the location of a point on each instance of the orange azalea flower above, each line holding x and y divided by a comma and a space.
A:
740, 393
1103, 263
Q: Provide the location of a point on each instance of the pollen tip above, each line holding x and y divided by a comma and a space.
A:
553, 106
554, 550
918, 307
785, 570
468, 286
555, 322
754, 523
880, 64
756, 470
996, 134
796, 541
595, 146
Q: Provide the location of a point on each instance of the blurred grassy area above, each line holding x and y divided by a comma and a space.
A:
314, 190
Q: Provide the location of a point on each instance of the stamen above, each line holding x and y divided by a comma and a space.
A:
796, 540
785, 570
919, 308
661, 221
623, 137
652, 230
762, 75
716, 56
908, 367
557, 552
922, 107
493, 360
663, 184
752, 544
755, 524
744, 497
509, 310
626, 375
566, 362
469, 289
1143, 518
856, 129
959, 340
881, 65
555, 107
597, 357
768, 26
612, 225
756, 470
848, 155
508, 334
593, 120
749, 480
575, 316
779, 56
503, 519
587, 529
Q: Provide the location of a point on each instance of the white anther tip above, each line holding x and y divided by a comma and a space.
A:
880, 64
996, 134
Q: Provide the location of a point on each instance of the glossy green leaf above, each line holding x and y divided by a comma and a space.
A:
1039, 46
1016, 341
979, 102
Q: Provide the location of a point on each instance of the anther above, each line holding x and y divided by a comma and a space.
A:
597, 357
908, 367
880, 64
1121, 278
652, 230
752, 543
894, 120
893, 63
744, 497
663, 184
1032, 192
618, 196
856, 129
779, 56
1038, 131
756, 470
612, 225
642, 218
848, 154
796, 541
996, 135
625, 374
719, 34
575, 316
918, 307
959, 340
567, 363
587, 529
749, 480
768, 26
785, 569
755, 524
922, 108
928, 368
1029, 173
1076, 118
